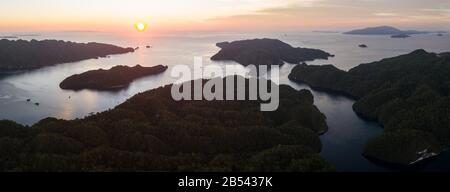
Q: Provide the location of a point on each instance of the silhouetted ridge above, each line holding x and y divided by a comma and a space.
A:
115, 78
22, 55
384, 30
408, 95
152, 132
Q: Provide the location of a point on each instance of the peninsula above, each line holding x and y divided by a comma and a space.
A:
153, 132
266, 52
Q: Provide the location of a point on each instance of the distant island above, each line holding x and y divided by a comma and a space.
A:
118, 77
266, 52
383, 30
23, 55
8, 37
408, 95
400, 36
152, 132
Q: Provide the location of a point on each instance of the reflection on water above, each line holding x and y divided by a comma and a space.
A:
342, 145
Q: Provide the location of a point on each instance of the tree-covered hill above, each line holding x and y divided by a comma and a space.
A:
408, 95
153, 132
23, 55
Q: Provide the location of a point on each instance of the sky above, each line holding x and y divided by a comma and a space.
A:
220, 15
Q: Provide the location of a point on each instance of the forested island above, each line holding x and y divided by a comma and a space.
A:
152, 132
446, 54
408, 95
23, 55
383, 30
9, 37
116, 78
266, 52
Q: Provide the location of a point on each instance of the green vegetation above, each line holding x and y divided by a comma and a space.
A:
152, 132
384, 30
408, 95
23, 55
115, 78
400, 36
446, 54
266, 52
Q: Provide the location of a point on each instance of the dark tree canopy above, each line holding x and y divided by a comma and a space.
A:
22, 55
152, 132
115, 78
408, 95
266, 52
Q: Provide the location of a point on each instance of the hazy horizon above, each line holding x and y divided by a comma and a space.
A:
144, 86
220, 15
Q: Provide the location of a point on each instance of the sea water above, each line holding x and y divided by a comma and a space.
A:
342, 144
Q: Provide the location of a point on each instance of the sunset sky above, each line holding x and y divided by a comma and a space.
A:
220, 15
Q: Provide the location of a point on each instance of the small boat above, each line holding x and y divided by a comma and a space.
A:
363, 46
37, 104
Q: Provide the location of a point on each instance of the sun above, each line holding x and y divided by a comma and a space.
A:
140, 26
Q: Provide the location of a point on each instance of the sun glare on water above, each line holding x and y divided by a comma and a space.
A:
141, 26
